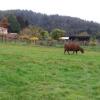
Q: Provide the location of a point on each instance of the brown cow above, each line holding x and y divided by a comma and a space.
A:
71, 46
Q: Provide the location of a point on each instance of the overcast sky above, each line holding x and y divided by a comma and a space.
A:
84, 9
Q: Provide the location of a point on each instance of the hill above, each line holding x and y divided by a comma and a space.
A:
69, 24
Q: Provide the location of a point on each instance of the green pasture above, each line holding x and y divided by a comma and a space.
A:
44, 73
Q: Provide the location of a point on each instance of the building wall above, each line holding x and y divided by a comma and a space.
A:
3, 30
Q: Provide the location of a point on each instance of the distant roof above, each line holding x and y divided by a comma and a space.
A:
64, 38
2, 28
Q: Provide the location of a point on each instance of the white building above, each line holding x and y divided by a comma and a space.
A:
64, 38
3, 30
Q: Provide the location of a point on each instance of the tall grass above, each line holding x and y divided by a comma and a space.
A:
45, 73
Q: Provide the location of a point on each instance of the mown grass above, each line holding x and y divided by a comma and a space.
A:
45, 73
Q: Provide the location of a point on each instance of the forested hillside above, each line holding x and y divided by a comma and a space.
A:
71, 25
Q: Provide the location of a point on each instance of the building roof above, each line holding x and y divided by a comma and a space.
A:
64, 38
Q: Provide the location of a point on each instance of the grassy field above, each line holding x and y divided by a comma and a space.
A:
45, 73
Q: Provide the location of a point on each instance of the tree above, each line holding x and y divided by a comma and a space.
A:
33, 31
44, 35
57, 33
26, 31
14, 26
22, 23
4, 22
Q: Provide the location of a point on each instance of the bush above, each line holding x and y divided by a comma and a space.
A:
93, 41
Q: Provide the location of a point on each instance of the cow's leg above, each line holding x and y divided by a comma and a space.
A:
68, 52
64, 51
76, 52
73, 52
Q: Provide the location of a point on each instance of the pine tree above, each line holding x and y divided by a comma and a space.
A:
14, 26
